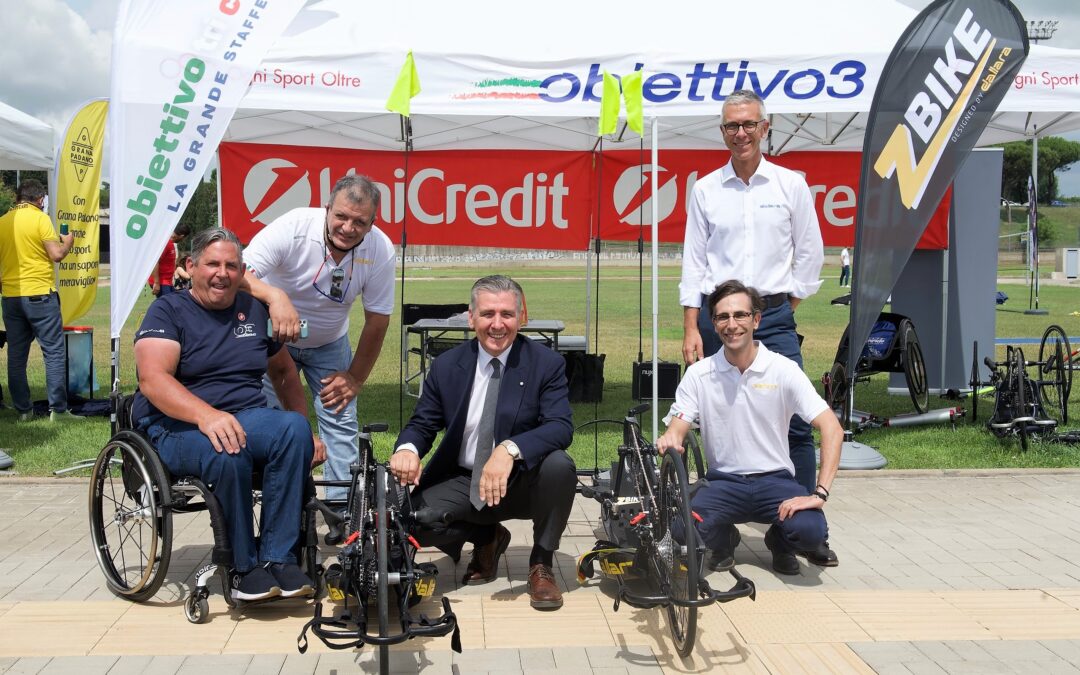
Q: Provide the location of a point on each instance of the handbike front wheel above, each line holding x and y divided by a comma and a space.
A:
382, 566
677, 551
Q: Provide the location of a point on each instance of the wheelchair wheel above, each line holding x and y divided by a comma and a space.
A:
130, 517
382, 569
678, 564
1055, 374
837, 391
915, 369
1018, 383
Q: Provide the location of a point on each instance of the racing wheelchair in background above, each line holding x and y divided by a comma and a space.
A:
893, 347
651, 548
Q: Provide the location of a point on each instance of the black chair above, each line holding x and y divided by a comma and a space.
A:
431, 345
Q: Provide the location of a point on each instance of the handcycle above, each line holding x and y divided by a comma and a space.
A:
651, 547
378, 554
1019, 408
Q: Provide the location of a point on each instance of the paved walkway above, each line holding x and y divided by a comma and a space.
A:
958, 572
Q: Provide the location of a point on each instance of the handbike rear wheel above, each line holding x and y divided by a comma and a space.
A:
679, 562
1055, 375
382, 569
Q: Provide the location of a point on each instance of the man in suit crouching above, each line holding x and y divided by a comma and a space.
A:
503, 402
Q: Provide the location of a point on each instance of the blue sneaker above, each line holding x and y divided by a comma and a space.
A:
255, 584
291, 579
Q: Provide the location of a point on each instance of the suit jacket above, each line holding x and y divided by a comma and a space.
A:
533, 409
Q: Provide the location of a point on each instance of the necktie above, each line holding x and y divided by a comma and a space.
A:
485, 437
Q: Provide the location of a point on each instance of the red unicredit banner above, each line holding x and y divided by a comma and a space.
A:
833, 178
519, 198
495, 198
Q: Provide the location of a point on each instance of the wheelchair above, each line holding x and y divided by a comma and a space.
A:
651, 547
893, 347
132, 501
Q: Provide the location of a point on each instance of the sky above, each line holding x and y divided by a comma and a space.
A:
56, 55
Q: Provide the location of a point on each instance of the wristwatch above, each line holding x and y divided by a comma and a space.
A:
512, 449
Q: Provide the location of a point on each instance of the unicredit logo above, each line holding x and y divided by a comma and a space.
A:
633, 195
273, 187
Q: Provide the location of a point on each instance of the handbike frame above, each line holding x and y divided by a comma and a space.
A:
377, 521
629, 512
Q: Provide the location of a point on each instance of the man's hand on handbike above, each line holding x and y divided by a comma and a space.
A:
673, 438
405, 467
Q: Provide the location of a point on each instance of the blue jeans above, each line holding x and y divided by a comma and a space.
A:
279, 444
730, 499
777, 332
27, 318
845, 274
338, 431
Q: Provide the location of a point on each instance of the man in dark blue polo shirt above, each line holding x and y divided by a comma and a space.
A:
201, 356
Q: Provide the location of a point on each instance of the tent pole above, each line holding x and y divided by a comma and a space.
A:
406, 136
655, 275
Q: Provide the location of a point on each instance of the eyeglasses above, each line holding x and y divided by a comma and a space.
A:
732, 128
740, 317
338, 285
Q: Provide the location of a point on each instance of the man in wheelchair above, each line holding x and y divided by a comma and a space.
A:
502, 400
201, 356
743, 398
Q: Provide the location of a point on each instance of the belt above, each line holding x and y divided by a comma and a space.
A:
775, 300
39, 298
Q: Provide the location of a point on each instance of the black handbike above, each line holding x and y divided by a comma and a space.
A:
377, 556
651, 546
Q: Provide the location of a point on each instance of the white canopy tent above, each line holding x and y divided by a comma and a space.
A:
493, 81
26, 143
495, 76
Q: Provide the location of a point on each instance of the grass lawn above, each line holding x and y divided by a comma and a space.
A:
40, 447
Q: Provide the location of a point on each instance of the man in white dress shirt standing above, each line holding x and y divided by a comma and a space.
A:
755, 222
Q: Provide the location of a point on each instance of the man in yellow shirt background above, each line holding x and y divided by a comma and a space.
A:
29, 247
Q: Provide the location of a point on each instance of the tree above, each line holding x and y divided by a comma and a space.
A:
201, 211
1054, 153
7, 199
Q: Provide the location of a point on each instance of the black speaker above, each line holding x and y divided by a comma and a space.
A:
642, 380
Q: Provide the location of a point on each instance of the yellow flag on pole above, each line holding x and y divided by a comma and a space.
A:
609, 105
406, 87
75, 207
631, 89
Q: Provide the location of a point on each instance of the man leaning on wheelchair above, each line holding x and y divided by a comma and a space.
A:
201, 357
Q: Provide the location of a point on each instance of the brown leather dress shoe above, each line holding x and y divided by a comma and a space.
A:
484, 566
544, 593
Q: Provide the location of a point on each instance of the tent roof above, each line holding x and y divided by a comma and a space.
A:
485, 70
25, 142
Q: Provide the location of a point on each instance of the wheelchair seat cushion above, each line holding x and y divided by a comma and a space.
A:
880, 342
